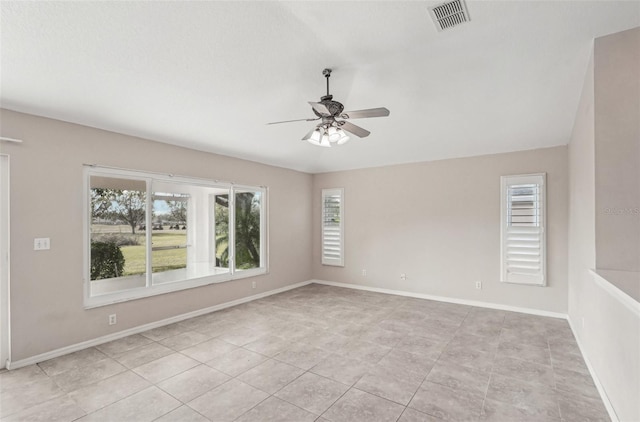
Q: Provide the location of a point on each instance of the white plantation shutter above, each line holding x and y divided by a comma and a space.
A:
523, 223
332, 227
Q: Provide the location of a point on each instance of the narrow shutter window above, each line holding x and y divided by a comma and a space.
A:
333, 227
523, 234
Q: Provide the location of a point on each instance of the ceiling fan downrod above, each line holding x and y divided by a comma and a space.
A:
327, 74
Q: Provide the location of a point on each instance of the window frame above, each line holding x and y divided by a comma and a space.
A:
336, 262
150, 289
538, 279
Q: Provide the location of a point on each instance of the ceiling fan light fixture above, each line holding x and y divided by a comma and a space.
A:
337, 135
333, 134
344, 139
328, 136
319, 138
315, 137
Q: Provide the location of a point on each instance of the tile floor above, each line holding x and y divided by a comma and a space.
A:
319, 353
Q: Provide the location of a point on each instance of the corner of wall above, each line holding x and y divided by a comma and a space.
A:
607, 331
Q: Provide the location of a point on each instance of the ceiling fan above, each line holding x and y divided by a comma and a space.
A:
331, 131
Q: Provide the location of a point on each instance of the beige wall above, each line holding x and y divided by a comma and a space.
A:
607, 329
439, 222
46, 201
617, 150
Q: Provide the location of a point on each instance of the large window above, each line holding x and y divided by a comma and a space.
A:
150, 234
523, 234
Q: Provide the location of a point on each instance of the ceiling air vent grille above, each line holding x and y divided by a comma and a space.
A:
449, 14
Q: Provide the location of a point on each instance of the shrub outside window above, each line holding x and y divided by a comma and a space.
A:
149, 234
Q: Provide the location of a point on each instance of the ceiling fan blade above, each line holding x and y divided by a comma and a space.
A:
320, 108
356, 130
370, 112
289, 121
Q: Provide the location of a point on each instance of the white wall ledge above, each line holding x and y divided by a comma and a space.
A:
623, 285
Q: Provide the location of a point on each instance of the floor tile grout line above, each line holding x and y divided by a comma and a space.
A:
253, 407
175, 408
188, 407
435, 362
309, 371
38, 404
486, 392
124, 398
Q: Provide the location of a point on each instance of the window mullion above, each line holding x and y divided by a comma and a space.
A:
148, 233
212, 230
264, 228
232, 230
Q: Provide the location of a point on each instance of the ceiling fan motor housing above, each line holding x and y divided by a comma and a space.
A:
334, 107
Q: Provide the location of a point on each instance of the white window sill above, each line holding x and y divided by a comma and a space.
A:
111, 290
191, 272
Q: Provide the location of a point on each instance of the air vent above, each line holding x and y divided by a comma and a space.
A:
449, 14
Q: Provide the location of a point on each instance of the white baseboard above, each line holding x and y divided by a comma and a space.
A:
594, 376
446, 299
141, 328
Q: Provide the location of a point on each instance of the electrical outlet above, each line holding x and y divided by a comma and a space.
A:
253, 284
112, 319
403, 276
479, 285
364, 273
41, 244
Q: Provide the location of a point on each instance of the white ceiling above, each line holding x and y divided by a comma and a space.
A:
210, 75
